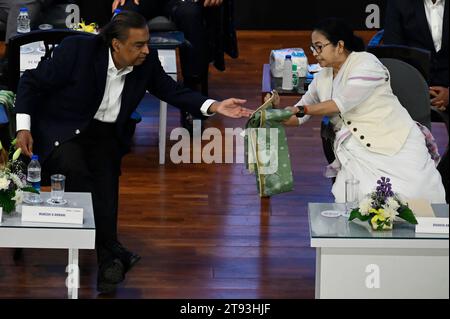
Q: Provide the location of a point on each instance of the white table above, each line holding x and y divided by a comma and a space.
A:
354, 262
168, 61
17, 234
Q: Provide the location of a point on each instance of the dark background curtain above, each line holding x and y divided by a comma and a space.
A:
301, 15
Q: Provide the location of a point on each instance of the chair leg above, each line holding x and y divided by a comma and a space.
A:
204, 82
18, 254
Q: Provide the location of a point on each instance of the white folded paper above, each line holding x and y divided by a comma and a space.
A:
432, 225
47, 214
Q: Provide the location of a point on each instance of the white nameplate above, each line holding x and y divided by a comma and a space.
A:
47, 214
432, 225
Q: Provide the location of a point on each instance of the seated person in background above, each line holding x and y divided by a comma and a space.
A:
76, 108
423, 24
375, 135
199, 21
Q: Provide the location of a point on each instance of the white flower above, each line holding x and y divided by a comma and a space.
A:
389, 213
365, 205
18, 197
16, 180
392, 203
4, 183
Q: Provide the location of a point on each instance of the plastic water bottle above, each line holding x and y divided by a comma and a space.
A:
23, 21
294, 77
23, 26
287, 74
34, 179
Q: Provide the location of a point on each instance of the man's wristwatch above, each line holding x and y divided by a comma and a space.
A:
301, 111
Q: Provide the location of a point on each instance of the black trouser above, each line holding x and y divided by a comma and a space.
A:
91, 163
188, 16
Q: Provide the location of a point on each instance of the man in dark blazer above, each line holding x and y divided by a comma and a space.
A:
78, 106
424, 24
407, 22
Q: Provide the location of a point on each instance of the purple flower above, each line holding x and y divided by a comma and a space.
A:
384, 190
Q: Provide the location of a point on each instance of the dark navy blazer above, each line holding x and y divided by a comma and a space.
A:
406, 23
63, 94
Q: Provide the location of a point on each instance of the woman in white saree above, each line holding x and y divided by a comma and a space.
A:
375, 135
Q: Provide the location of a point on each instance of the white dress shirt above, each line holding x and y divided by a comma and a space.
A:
435, 18
112, 97
110, 106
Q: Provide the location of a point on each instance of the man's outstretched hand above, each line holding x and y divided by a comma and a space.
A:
231, 108
24, 140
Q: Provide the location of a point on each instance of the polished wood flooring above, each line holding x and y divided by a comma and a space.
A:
202, 230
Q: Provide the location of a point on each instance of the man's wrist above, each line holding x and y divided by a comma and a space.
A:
213, 108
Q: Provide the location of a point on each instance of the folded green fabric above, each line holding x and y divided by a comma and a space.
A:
7, 98
266, 150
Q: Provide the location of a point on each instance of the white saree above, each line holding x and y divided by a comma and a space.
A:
411, 169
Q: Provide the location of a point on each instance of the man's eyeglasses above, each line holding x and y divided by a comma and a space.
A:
317, 48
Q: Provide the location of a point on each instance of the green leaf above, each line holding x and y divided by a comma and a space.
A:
6, 202
404, 212
356, 214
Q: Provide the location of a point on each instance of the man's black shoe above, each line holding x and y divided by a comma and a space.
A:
131, 261
128, 258
110, 274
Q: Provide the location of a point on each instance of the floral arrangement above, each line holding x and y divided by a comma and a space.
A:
381, 207
91, 28
12, 179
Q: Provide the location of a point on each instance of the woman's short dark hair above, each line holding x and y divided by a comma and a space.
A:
120, 24
336, 29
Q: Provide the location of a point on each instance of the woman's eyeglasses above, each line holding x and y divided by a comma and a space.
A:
317, 48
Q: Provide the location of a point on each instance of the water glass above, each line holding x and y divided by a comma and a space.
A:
351, 195
58, 182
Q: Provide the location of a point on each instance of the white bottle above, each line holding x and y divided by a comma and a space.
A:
287, 74
23, 26
23, 21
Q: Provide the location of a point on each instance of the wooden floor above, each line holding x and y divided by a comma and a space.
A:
201, 229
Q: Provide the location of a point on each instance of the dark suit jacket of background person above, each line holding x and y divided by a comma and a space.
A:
63, 94
219, 27
406, 24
